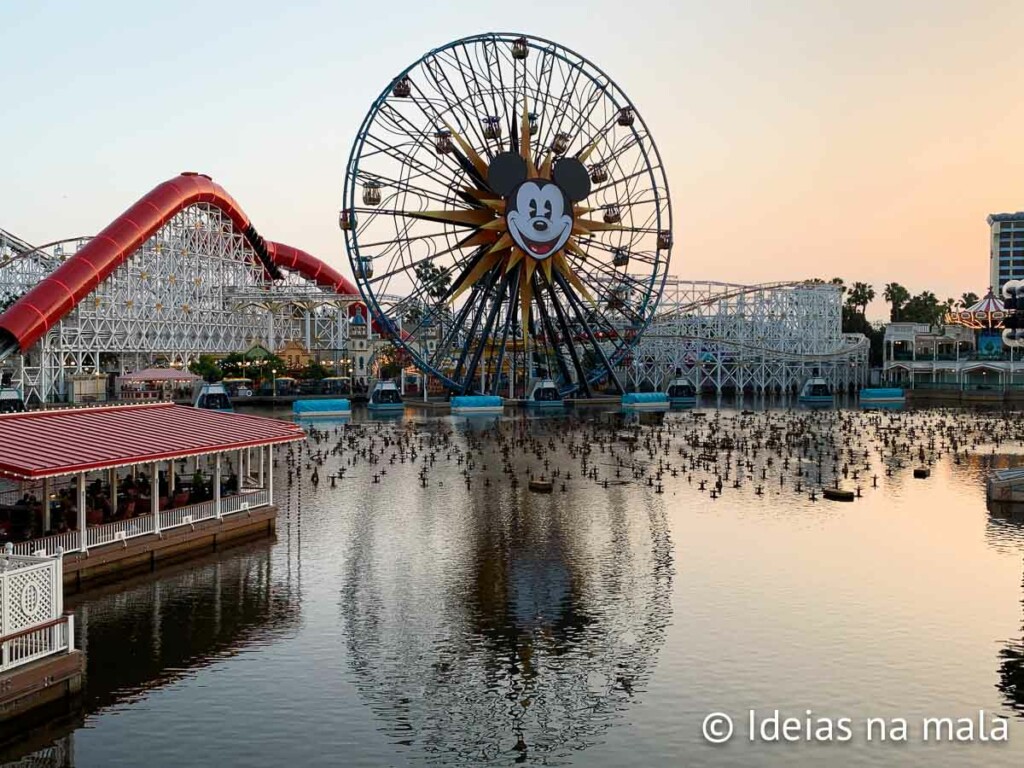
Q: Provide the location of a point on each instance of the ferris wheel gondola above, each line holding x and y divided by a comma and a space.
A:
512, 194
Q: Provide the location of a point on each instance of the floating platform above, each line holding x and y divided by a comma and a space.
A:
885, 397
322, 409
389, 411
645, 401
542, 486
837, 494
477, 405
1006, 485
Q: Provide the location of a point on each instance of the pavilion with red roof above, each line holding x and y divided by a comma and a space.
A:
120, 480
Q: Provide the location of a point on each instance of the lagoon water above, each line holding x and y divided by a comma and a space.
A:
396, 624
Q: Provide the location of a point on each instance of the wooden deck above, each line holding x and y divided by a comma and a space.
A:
152, 550
41, 683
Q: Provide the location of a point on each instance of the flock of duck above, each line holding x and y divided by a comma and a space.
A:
827, 454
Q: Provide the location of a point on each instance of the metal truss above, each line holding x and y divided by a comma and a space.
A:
195, 287
762, 338
23, 265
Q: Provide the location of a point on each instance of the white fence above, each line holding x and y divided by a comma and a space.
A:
55, 636
121, 531
31, 605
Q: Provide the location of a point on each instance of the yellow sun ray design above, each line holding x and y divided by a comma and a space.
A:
485, 216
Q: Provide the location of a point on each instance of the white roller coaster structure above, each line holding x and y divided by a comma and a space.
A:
726, 337
197, 287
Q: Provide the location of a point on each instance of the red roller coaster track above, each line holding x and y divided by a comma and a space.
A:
29, 318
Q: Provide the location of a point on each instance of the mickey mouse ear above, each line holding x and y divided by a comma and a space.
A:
572, 177
507, 171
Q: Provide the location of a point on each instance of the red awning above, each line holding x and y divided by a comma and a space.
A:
159, 374
40, 444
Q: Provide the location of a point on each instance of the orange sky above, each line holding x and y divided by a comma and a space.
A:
861, 139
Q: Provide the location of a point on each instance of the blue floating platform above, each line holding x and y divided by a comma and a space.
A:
883, 397
475, 405
683, 402
324, 409
385, 407
645, 401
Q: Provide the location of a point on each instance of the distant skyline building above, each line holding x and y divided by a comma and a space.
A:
1006, 249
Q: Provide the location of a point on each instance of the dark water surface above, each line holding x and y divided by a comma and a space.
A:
393, 624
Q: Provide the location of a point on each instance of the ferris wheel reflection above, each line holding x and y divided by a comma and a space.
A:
522, 635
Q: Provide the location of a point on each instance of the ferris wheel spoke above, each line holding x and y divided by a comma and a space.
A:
496, 303
456, 104
409, 162
472, 88
549, 331
575, 302
466, 242
457, 325
419, 135
568, 335
560, 106
510, 316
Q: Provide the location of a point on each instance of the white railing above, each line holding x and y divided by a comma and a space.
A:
187, 515
28, 645
120, 531
245, 501
67, 541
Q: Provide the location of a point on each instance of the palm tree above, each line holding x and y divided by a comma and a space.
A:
897, 296
968, 299
860, 295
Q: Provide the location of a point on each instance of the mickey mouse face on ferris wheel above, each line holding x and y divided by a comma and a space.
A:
539, 212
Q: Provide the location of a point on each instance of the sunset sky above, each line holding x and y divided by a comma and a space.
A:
861, 139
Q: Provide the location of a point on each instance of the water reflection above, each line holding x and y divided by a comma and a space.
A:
141, 635
1011, 674
517, 632
58, 754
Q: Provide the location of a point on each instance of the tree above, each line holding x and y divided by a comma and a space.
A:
389, 361
237, 364
968, 299
434, 280
838, 281
925, 307
859, 296
897, 296
314, 371
206, 366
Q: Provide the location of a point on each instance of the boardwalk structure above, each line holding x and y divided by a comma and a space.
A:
112, 488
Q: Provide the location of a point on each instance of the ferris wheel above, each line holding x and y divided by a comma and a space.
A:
510, 192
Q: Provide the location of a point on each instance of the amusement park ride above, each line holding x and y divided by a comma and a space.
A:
507, 217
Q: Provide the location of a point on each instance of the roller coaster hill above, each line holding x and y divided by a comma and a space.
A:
183, 272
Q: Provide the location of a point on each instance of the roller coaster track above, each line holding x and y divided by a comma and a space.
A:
851, 347
740, 290
59, 292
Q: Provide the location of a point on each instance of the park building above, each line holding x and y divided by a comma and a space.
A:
965, 351
1006, 249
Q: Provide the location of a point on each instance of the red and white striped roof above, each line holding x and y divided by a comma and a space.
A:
988, 304
987, 313
39, 444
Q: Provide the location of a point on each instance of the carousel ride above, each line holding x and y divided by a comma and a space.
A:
512, 194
